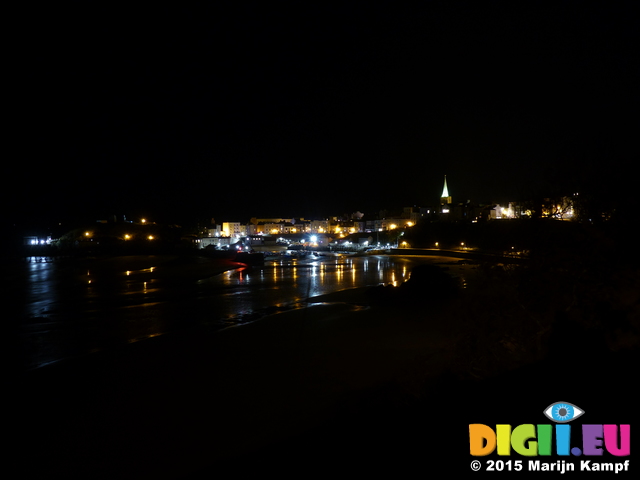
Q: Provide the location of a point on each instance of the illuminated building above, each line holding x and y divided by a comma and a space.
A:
445, 198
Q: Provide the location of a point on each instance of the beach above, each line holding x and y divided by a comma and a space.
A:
352, 382
205, 398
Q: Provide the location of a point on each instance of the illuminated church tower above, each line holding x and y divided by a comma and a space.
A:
445, 199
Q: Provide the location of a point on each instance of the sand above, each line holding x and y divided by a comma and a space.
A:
318, 389
185, 402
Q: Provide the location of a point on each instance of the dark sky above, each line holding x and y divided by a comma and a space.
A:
309, 108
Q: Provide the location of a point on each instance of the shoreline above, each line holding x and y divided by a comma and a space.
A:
342, 381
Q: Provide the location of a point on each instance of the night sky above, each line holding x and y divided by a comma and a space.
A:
313, 109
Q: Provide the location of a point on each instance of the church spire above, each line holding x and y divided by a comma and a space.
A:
445, 198
445, 192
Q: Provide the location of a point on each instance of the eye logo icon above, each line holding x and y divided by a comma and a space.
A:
562, 412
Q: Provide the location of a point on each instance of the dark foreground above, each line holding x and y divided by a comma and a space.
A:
331, 389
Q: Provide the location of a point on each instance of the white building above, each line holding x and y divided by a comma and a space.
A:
234, 230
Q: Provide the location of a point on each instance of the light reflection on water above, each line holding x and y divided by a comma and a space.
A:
69, 313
